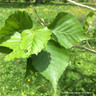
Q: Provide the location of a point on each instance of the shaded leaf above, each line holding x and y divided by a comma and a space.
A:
16, 22
5, 50
29, 68
51, 63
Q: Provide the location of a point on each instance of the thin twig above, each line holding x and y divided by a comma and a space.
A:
87, 33
88, 7
91, 50
88, 28
36, 19
37, 14
77, 46
88, 44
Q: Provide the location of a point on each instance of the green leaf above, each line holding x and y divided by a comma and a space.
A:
89, 19
35, 41
5, 50
29, 68
16, 22
67, 29
27, 43
51, 63
16, 53
11, 41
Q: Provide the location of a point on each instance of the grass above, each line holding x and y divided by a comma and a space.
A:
79, 76
45, 11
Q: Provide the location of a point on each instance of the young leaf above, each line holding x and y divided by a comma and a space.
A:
51, 63
16, 53
67, 29
35, 41
28, 42
11, 41
89, 19
16, 22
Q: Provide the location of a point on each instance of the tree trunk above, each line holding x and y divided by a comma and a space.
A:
38, 1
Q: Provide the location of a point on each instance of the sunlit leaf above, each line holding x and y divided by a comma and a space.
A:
27, 43
11, 41
16, 53
35, 41
67, 29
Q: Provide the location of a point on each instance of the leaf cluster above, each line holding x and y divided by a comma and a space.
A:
46, 48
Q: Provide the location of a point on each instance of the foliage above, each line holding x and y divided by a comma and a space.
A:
25, 89
52, 59
89, 20
67, 29
16, 22
80, 75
